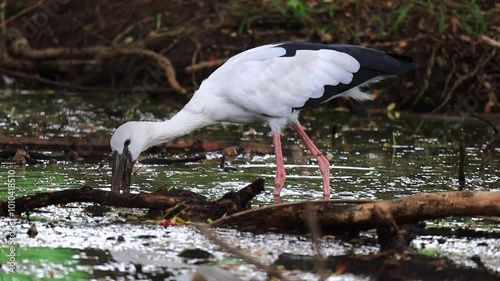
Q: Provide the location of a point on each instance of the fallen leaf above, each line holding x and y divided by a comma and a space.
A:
340, 269
391, 106
167, 223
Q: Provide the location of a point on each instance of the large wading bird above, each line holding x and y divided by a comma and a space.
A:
272, 83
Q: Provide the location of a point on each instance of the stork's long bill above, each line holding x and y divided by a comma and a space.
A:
122, 171
271, 83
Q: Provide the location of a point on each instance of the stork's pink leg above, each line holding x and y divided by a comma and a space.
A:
279, 181
324, 164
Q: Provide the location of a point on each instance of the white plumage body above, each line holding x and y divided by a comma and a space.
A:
260, 84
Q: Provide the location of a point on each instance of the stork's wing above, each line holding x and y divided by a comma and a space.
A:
275, 80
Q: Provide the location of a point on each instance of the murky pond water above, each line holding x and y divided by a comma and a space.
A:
373, 157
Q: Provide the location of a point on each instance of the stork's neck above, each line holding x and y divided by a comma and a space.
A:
183, 123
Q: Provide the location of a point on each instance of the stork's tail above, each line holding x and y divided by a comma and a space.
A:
375, 66
378, 62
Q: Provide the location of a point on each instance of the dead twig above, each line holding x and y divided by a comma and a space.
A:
450, 75
458, 82
489, 148
463, 78
131, 27
488, 122
488, 218
194, 57
428, 74
461, 163
491, 92
490, 41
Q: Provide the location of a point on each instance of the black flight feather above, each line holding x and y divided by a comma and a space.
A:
374, 64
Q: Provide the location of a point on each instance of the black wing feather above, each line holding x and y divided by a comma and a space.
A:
374, 63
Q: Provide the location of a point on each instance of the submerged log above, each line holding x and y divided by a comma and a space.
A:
188, 205
334, 217
100, 143
22, 157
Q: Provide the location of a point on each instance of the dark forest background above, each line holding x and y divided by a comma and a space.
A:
153, 47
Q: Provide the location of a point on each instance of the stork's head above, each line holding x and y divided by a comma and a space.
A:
127, 143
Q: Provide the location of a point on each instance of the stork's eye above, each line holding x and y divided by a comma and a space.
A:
127, 142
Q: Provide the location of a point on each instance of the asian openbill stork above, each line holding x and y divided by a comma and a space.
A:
272, 83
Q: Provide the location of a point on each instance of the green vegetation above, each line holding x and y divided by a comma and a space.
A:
384, 15
472, 19
475, 24
53, 263
402, 13
431, 252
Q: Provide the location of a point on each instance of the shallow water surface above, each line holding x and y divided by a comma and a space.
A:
372, 157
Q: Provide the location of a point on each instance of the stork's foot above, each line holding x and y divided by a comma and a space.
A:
325, 172
277, 200
279, 181
326, 196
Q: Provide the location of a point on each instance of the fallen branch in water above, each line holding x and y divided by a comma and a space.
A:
100, 143
394, 219
333, 217
22, 157
188, 205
